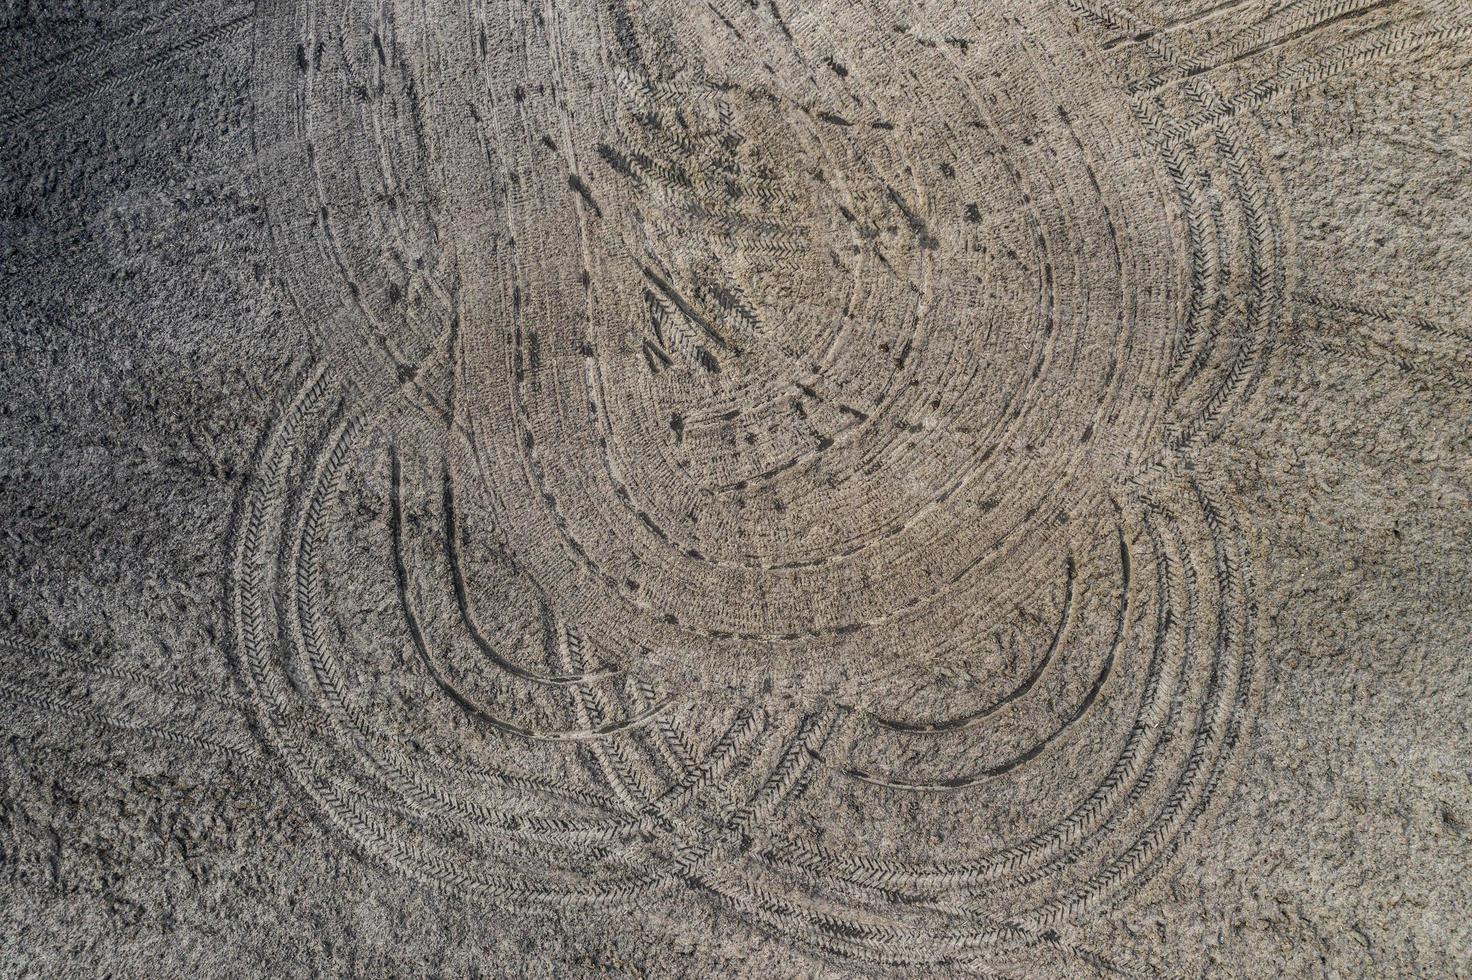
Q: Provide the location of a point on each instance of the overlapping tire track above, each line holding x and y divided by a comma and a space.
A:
1129, 714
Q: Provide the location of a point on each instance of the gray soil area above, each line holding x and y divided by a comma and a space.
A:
746, 488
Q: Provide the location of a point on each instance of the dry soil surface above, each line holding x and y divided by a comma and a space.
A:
745, 488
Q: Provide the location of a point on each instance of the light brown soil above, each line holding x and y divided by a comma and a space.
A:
736, 488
